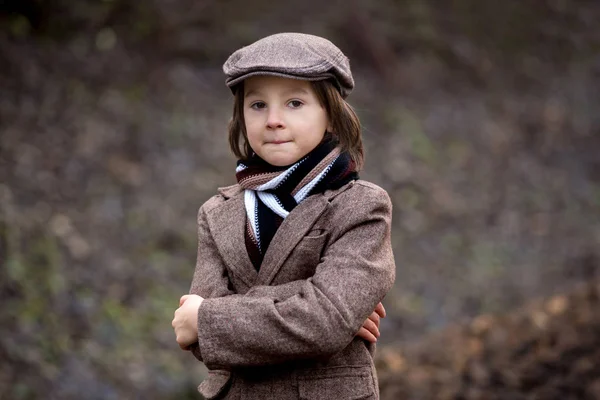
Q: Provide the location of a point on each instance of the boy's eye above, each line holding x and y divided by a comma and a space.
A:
258, 105
295, 103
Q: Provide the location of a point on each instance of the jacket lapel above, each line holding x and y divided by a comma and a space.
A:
227, 224
293, 228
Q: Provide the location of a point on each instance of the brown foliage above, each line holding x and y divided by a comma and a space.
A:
547, 350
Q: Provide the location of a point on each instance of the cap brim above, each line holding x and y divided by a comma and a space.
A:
235, 81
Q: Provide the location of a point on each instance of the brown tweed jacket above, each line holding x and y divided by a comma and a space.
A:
288, 331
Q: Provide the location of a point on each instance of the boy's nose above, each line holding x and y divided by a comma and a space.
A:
274, 120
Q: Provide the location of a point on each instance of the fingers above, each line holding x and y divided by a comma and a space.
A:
173, 323
375, 318
365, 334
183, 299
184, 333
184, 340
372, 327
380, 310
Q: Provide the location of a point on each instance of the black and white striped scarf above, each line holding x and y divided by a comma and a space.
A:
271, 193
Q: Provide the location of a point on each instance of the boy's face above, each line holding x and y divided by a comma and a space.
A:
284, 119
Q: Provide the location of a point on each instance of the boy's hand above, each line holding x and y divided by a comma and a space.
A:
370, 329
185, 321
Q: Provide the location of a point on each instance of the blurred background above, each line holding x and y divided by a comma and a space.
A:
480, 119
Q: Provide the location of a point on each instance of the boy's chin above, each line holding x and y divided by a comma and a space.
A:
283, 163
280, 160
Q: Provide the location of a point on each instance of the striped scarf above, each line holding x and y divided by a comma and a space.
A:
271, 193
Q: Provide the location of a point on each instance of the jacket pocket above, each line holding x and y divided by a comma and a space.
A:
216, 383
340, 383
311, 247
306, 256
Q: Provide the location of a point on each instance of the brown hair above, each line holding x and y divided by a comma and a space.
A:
344, 122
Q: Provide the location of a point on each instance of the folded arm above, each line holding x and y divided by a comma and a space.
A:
210, 275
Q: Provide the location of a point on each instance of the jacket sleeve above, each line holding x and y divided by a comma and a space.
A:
210, 275
323, 313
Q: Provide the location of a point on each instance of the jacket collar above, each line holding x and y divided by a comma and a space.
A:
230, 191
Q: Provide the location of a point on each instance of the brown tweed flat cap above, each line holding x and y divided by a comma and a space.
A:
291, 55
